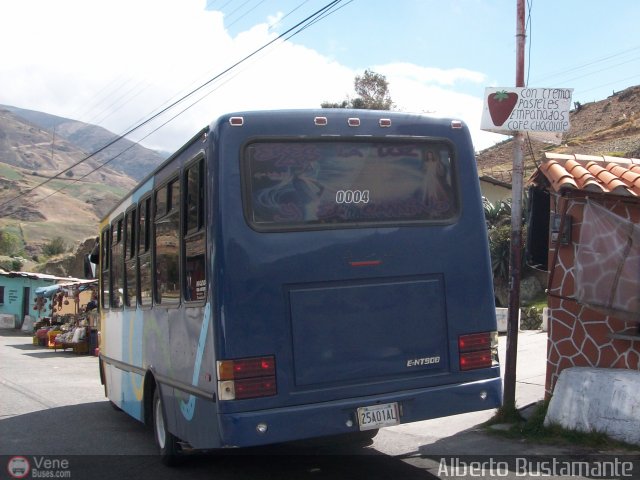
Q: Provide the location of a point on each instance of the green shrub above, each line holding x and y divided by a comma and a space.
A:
10, 244
55, 247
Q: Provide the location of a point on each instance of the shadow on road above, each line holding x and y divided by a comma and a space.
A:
102, 443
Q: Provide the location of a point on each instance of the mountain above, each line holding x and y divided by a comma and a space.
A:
606, 127
132, 159
32, 151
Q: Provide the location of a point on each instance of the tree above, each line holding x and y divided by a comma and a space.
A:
498, 218
373, 94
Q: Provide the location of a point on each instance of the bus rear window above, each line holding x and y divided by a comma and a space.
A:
322, 184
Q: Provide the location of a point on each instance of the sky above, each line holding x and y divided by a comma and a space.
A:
117, 63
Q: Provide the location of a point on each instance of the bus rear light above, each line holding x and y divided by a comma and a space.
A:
385, 122
320, 121
478, 350
353, 122
477, 341
456, 124
246, 368
473, 360
255, 387
246, 378
236, 121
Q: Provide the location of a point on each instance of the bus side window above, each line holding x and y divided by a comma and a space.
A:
195, 282
105, 261
167, 244
144, 251
117, 282
130, 259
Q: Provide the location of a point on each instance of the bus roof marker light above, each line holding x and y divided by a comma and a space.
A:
236, 121
320, 121
456, 124
384, 122
353, 122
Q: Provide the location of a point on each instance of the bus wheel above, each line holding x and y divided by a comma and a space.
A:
166, 441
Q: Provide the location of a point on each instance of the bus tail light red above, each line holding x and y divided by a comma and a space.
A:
247, 378
478, 350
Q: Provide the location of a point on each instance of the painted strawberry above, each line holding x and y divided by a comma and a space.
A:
500, 106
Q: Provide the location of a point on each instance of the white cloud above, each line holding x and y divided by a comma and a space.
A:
427, 90
116, 62
434, 75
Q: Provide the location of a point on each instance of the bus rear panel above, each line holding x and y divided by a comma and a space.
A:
354, 262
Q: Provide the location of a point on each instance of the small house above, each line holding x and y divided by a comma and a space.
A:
17, 295
494, 190
593, 260
26, 293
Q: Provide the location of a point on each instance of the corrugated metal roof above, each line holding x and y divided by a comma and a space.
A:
38, 276
589, 173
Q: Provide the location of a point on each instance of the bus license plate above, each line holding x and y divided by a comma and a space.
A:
378, 416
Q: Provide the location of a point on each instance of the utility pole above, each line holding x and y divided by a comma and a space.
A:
515, 258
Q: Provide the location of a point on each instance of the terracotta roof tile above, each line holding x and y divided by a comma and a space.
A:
558, 176
583, 177
618, 176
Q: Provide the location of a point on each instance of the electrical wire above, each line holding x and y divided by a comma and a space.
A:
300, 26
245, 13
589, 63
528, 30
324, 15
231, 13
285, 16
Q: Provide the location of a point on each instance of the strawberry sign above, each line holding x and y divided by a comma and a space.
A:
542, 110
501, 105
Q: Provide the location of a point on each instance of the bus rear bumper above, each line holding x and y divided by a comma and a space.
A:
299, 422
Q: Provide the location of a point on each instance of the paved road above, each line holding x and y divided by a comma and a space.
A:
52, 406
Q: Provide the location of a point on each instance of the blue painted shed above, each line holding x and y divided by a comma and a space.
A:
17, 295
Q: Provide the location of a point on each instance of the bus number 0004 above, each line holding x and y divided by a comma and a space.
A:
352, 196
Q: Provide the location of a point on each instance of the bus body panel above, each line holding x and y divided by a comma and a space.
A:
354, 316
339, 416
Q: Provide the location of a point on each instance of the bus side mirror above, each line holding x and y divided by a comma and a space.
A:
91, 261
89, 268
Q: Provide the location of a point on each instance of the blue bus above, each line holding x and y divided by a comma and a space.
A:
296, 274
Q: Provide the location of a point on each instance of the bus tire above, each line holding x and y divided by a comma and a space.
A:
166, 441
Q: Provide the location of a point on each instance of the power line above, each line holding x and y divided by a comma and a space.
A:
322, 17
301, 26
601, 70
610, 83
177, 95
285, 16
244, 14
588, 64
230, 14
